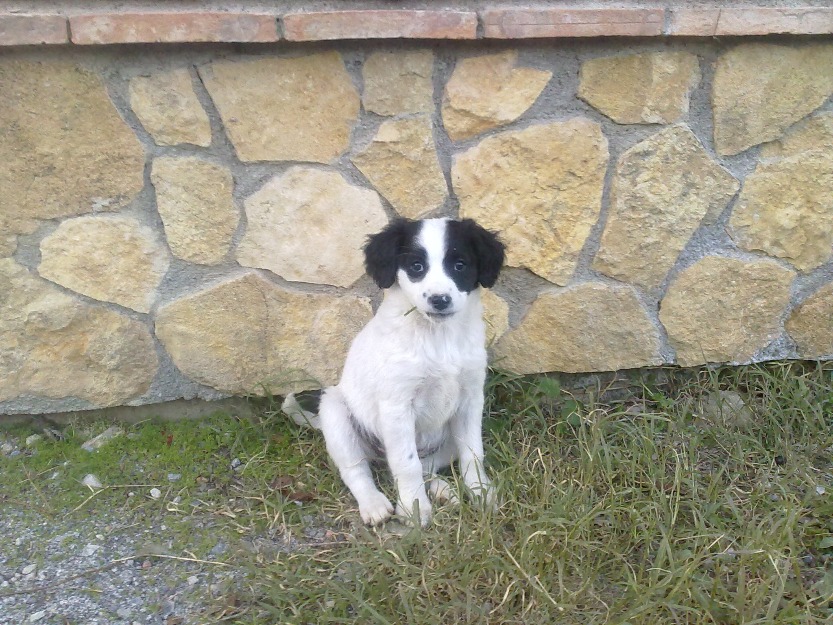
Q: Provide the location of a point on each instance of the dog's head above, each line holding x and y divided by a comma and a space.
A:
436, 262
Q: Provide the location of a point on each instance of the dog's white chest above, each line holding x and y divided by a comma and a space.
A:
436, 401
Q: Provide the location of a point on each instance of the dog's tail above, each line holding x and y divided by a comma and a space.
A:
295, 411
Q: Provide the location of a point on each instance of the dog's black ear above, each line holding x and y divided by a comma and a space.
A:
489, 251
381, 253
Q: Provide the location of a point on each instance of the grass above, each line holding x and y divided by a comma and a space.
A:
677, 504
640, 511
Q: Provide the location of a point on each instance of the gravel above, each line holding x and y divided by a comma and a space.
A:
68, 571
121, 564
109, 566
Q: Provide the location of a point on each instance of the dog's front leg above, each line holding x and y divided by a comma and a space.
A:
467, 431
352, 462
399, 437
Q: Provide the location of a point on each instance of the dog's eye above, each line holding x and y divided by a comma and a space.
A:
459, 266
417, 267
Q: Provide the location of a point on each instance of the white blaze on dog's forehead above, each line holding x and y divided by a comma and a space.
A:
432, 239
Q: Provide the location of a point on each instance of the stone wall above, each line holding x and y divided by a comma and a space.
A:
184, 222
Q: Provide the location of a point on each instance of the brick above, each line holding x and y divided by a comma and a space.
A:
24, 30
763, 21
750, 21
540, 23
693, 22
107, 28
380, 24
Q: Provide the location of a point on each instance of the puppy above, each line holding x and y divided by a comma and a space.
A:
411, 391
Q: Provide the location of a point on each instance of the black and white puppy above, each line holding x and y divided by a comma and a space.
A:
411, 391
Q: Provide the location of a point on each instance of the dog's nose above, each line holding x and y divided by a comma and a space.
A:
440, 302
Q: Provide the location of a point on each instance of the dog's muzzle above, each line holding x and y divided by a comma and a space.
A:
440, 303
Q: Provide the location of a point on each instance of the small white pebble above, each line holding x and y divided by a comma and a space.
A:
103, 438
155, 493
34, 618
90, 550
820, 489
92, 481
193, 580
29, 569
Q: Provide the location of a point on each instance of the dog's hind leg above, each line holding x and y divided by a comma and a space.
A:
345, 448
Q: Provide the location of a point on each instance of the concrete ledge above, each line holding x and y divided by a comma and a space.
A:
177, 409
498, 23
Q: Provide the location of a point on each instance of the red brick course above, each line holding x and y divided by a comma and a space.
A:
542, 23
382, 24
24, 30
504, 23
110, 28
750, 21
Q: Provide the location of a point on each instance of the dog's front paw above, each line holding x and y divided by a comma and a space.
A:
441, 492
485, 493
375, 509
421, 509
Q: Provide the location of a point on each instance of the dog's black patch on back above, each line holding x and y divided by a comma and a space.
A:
473, 255
392, 248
